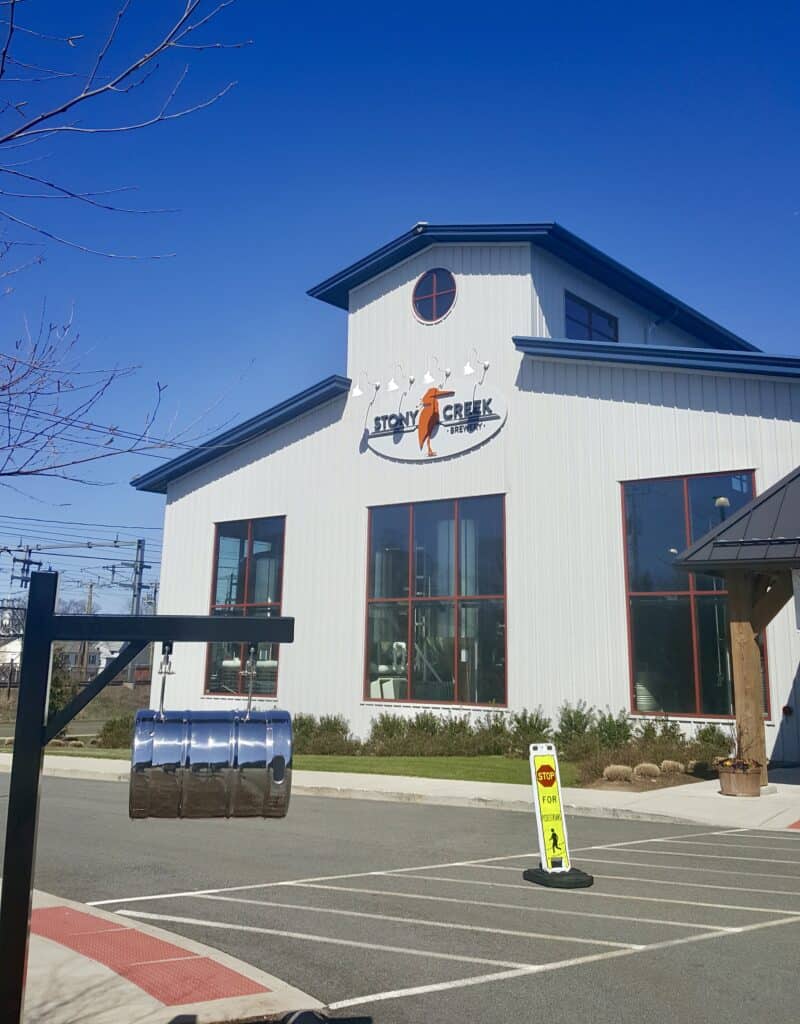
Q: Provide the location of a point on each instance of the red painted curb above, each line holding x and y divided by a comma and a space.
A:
170, 973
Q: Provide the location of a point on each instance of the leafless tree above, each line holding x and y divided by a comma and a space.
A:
55, 87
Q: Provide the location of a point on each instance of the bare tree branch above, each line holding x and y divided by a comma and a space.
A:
77, 245
49, 402
107, 46
158, 118
65, 193
9, 36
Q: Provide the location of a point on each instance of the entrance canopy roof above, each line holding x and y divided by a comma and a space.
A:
762, 537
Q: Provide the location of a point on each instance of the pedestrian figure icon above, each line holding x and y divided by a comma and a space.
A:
554, 847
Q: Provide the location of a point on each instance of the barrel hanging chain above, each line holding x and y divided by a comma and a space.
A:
165, 669
250, 676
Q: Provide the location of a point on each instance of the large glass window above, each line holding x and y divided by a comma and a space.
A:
248, 580
679, 637
436, 614
586, 322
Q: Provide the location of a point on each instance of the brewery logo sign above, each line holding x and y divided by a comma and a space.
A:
436, 423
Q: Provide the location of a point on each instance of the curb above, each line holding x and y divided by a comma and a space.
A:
513, 798
517, 806
119, 774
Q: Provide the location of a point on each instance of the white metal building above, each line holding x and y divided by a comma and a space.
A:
484, 510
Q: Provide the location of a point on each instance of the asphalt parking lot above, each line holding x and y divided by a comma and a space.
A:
404, 913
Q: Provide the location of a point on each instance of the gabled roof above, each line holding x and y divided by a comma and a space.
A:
550, 237
764, 535
664, 356
325, 391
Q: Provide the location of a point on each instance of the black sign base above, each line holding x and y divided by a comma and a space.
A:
572, 879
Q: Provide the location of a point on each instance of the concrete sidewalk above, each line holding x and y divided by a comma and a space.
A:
698, 802
88, 965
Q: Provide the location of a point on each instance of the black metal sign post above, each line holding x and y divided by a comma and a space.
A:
32, 733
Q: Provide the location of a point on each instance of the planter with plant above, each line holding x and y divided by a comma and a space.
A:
739, 775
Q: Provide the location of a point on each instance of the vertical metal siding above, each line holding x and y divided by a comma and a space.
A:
553, 276
574, 431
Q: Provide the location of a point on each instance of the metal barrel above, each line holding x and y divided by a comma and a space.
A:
211, 764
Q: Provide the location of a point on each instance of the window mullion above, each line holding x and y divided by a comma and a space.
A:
698, 701
411, 641
457, 589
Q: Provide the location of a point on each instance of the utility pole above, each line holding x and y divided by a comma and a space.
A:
136, 598
26, 564
85, 644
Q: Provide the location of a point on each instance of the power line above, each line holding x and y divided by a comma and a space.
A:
75, 522
64, 554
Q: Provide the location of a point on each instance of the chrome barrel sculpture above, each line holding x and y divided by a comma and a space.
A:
210, 764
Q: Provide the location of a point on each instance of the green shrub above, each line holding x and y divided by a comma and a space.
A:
612, 730
386, 734
332, 736
431, 735
715, 738
117, 732
646, 730
490, 734
425, 723
671, 731
575, 723
303, 728
528, 727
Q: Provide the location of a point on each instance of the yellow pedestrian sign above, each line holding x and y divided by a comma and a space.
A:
555, 867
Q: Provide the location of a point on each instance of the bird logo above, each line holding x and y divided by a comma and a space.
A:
429, 418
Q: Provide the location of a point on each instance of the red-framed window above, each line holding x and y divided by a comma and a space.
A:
434, 295
678, 635
436, 602
248, 581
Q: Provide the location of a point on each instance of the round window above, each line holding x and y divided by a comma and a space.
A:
434, 295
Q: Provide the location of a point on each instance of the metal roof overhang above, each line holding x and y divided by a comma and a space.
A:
326, 390
552, 238
663, 356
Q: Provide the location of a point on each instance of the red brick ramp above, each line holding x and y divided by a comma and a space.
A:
90, 965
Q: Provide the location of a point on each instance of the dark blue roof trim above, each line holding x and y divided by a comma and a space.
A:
156, 480
554, 239
664, 356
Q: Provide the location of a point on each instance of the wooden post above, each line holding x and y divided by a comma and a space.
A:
746, 660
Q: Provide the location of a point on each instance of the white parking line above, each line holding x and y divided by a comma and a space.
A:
542, 968
715, 856
518, 906
449, 925
664, 881
688, 867
725, 846
656, 839
609, 895
325, 939
352, 874
290, 881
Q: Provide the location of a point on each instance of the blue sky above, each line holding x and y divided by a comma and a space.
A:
667, 137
